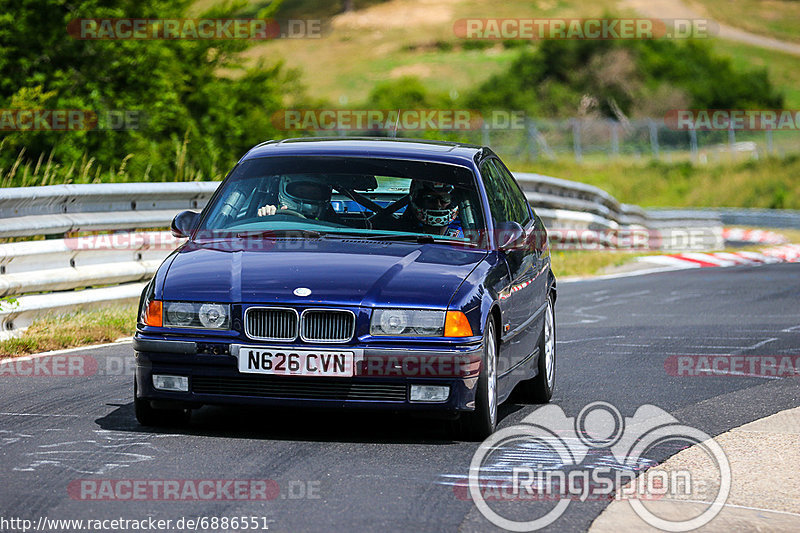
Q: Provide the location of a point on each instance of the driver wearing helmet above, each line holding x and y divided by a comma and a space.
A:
306, 196
431, 209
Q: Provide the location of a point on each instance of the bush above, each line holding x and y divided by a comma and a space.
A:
643, 77
174, 84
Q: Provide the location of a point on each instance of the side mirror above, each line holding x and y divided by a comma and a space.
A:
509, 235
183, 223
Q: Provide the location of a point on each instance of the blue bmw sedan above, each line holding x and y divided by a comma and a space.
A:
353, 273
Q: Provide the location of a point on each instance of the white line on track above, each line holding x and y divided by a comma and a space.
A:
38, 414
732, 373
590, 339
736, 506
757, 345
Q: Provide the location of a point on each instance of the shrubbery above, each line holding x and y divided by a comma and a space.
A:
644, 77
196, 122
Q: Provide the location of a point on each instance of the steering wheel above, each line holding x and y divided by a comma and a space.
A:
290, 212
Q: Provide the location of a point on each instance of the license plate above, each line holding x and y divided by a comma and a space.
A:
291, 362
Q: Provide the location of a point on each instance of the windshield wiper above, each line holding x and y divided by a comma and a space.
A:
281, 233
420, 238
412, 237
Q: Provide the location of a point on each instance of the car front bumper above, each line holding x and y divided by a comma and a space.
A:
383, 377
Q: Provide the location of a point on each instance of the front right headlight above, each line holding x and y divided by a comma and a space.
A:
407, 323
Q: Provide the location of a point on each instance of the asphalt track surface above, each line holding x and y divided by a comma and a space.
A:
376, 472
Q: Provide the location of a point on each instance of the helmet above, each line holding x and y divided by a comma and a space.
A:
308, 195
431, 203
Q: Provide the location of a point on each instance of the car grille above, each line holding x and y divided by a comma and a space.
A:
274, 324
325, 325
294, 387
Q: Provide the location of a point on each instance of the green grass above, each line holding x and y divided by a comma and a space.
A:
22, 172
75, 329
784, 69
779, 19
579, 263
407, 37
766, 183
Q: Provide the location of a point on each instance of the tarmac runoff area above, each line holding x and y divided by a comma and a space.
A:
764, 458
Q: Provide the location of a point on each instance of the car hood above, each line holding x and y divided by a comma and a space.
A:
337, 272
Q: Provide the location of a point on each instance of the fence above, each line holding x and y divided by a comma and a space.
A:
639, 139
526, 138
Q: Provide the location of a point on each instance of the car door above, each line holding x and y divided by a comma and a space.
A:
537, 249
507, 205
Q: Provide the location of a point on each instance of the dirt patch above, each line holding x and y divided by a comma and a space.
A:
420, 71
398, 14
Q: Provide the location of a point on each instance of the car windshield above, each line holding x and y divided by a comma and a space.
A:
372, 198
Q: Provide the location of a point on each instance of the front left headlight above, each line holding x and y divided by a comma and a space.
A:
196, 315
407, 323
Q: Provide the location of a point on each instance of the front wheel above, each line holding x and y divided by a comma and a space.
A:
539, 389
480, 423
147, 416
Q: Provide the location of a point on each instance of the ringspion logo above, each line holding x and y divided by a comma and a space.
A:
550, 457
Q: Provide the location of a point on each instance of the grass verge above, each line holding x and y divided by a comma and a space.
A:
569, 263
75, 329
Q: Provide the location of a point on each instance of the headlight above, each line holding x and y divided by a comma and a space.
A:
196, 315
407, 323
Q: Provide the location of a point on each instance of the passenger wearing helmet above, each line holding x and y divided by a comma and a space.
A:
299, 195
431, 209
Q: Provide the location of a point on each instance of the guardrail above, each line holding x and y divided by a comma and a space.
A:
760, 218
62, 273
596, 216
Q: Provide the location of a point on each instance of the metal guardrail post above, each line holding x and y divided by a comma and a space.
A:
576, 140
653, 138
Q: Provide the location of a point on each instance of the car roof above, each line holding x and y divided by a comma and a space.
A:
440, 151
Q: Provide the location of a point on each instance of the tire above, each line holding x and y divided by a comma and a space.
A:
147, 416
539, 389
477, 425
